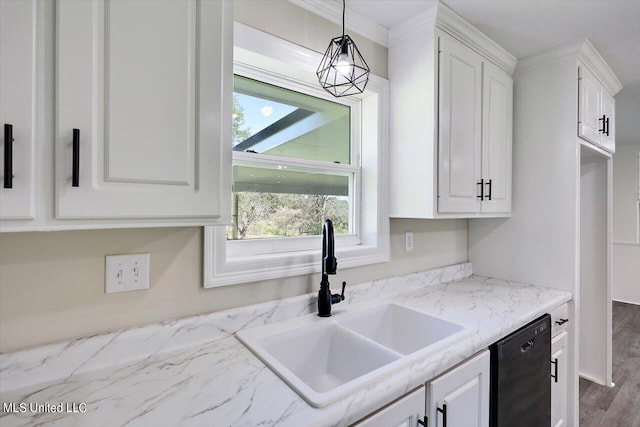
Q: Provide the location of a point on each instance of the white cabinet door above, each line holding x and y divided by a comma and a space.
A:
404, 412
559, 380
461, 395
148, 86
497, 122
589, 114
18, 35
608, 137
460, 116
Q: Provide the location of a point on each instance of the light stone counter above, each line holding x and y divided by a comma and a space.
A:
194, 372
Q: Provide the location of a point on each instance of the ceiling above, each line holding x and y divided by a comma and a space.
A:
528, 27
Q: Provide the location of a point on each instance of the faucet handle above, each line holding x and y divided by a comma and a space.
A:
336, 298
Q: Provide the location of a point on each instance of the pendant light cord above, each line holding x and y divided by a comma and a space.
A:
344, 5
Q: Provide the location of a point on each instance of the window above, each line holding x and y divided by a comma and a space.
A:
292, 166
299, 156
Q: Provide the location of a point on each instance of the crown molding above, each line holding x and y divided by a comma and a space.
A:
445, 19
449, 21
586, 53
332, 11
421, 23
594, 61
439, 16
550, 56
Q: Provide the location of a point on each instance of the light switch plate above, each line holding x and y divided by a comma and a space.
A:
126, 273
408, 241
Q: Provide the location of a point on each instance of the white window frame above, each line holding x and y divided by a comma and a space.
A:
238, 248
273, 60
638, 176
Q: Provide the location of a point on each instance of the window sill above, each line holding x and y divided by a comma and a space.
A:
234, 270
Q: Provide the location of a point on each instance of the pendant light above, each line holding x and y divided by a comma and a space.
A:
343, 71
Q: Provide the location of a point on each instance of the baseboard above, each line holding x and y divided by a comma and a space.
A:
593, 380
626, 302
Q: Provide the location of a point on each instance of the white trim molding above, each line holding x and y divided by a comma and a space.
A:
594, 61
439, 16
586, 53
447, 20
282, 58
332, 11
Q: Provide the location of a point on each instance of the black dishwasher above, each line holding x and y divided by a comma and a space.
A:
520, 377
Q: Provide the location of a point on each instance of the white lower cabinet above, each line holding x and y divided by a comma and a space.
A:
559, 384
460, 398
404, 412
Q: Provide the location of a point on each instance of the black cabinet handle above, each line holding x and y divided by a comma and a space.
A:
8, 156
561, 321
489, 192
554, 362
75, 173
424, 421
606, 126
443, 411
481, 184
603, 120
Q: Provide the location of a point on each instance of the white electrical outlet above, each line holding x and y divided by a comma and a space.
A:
408, 241
126, 273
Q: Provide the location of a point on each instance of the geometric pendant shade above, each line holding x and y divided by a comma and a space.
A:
343, 71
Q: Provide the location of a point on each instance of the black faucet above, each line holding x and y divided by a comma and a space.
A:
329, 266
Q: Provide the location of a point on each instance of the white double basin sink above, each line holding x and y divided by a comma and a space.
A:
326, 359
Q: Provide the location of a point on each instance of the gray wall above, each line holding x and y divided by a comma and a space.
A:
626, 225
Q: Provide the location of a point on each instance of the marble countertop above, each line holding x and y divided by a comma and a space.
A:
194, 372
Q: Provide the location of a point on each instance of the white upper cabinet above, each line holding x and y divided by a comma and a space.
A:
497, 135
18, 36
130, 108
451, 120
589, 123
475, 132
139, 90
596, 111
608, 137
460, 125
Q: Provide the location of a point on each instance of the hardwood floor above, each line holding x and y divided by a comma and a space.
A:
618, 406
